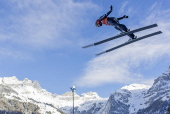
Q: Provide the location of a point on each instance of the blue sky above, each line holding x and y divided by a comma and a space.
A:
41, 40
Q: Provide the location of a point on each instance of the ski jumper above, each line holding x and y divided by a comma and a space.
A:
115, 22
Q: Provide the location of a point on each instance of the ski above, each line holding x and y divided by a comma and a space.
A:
129, 42
121, 35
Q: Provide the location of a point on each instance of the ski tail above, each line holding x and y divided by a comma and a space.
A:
88, 46
126, 43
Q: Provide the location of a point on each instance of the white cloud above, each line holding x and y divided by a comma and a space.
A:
8, 53
127, 9
31, 25
122, 9
147, 82
44, 23
119, 66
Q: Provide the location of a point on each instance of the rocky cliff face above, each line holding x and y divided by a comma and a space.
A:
16, 107
126, 100
25, 97
158, 96
141, 99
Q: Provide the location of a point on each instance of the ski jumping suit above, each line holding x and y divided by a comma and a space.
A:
115, 22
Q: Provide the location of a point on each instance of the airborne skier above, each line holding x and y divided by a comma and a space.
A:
123, 29
114, 22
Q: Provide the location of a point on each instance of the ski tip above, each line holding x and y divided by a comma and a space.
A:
88, 46
100, 53
160, 32
156, 24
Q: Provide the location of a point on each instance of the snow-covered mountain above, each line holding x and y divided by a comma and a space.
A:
30, 91
141, 99
27, 96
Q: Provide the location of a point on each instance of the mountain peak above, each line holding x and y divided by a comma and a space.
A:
68, 94
164, 77
8, 80
92, 95
15, 82
162, 82
135, 87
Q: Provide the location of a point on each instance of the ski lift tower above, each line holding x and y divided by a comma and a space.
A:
73, 89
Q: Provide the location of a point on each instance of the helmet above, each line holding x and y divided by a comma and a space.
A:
98, 23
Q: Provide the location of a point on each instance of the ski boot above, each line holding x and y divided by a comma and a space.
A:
128, 30
135, 37
130, 39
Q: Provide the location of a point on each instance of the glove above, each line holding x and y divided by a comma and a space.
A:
111, 8
125, 16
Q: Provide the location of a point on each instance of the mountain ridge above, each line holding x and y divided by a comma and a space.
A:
30, 91
130, 99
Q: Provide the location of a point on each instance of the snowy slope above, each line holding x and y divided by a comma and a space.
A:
141, 99
30, 91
